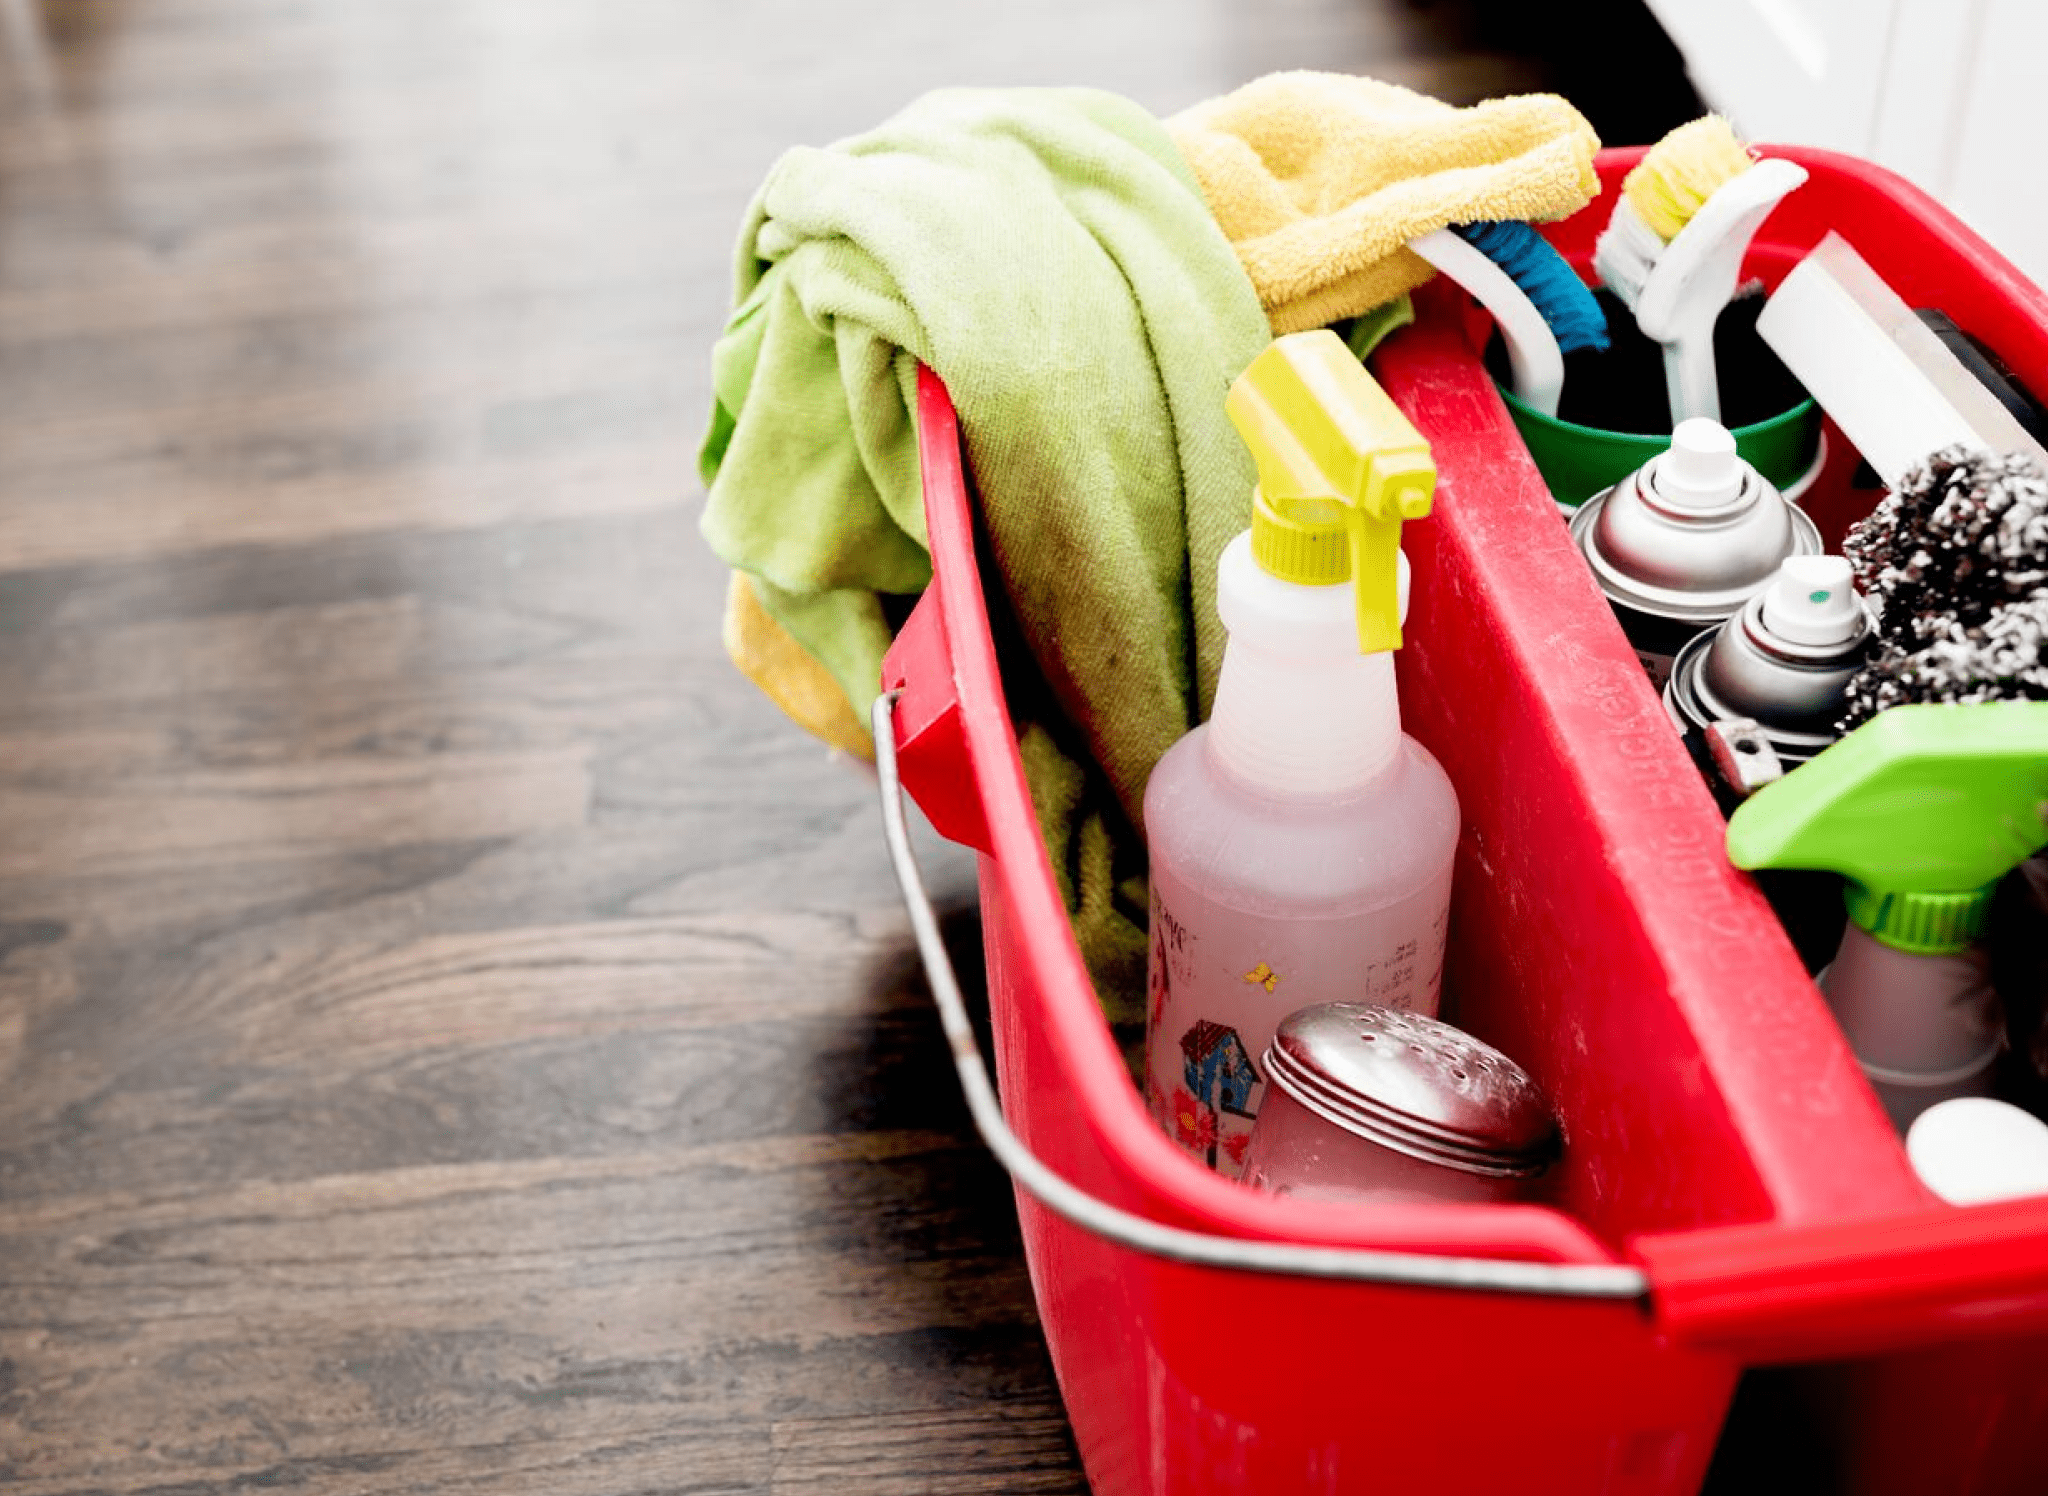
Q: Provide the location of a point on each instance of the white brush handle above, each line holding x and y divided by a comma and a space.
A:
1885, 378
1691, 381
1695, 276
1537, 366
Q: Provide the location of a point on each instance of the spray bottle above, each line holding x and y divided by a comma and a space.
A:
1301, 843
1923, 809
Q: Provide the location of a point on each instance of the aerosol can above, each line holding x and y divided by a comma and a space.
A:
1784, 661
1685, 540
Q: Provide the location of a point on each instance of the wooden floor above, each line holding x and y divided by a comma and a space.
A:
454, 1035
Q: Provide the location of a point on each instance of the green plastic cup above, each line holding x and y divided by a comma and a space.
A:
1579, 461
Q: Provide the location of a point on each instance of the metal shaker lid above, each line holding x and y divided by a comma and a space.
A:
1693, 532
1415, 1085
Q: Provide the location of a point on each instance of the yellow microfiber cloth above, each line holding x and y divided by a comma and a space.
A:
1320, 180
788, 674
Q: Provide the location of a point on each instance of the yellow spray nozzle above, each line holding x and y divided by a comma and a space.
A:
1339, 468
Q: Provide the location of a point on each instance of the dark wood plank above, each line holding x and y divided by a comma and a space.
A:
454, 1035
1003, 1451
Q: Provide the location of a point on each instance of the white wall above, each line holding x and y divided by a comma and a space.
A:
1951, 94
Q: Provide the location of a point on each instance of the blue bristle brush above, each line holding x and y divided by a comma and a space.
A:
1541, 306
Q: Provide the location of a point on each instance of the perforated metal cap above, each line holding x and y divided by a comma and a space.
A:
1416, 1085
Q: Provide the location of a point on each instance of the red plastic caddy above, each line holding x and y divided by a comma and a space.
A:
1731, 1193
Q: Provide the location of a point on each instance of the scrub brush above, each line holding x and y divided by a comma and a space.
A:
1674, 245
1542, 308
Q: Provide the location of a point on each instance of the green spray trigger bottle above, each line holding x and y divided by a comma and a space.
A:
1923, 810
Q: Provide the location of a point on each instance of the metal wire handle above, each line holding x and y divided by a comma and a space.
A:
1561, 1280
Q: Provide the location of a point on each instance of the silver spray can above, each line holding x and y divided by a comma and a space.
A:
1685, 540
1784, 660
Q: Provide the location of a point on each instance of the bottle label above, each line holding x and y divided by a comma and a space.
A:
1220, 980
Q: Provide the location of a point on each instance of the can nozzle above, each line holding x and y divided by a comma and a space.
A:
1813, 601
1701, 469
1339, 469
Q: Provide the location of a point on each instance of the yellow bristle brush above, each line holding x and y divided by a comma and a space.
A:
1684, 169
1673, 247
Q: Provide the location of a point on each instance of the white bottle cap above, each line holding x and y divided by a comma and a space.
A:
1299, 711
1972, 1150
1813, 601
1701, 470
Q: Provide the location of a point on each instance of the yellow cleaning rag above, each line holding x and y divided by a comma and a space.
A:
1319, 181
788, 674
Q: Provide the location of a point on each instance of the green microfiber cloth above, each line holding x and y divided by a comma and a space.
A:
1048, 253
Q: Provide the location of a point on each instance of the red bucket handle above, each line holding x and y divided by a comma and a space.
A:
932, 702
1793, 1293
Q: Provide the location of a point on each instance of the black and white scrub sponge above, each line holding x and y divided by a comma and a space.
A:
1955, 563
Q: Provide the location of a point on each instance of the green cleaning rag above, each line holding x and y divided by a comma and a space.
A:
1049, 254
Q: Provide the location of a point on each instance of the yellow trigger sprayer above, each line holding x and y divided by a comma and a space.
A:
1339, 469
